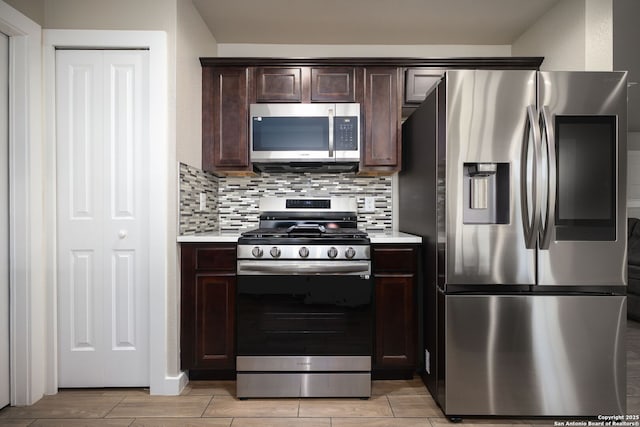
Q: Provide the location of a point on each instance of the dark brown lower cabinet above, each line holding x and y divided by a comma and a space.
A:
395, 347
208, 288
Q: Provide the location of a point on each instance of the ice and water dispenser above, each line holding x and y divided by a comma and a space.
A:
486, 193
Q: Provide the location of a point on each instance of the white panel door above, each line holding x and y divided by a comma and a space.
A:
4, 220
102, 217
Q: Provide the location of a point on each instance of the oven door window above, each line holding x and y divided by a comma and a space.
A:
304, 315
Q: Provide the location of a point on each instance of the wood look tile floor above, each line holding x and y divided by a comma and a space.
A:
212, 404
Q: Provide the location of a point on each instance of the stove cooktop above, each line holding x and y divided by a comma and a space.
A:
297, 232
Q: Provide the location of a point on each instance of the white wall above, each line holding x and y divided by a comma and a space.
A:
575, 35
111, 15
559, 36
299, 50
193, 41
599, 35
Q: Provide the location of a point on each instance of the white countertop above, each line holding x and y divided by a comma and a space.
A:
393, 237
232, 237
210, 237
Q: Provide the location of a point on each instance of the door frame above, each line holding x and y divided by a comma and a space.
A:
5, 389
26, 273
160, 158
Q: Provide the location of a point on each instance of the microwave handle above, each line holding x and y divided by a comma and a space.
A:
331, 132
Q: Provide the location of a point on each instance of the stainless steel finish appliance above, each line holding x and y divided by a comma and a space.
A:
517, 181
305, 136
304, 302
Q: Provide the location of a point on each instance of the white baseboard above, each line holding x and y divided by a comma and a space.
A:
171, 386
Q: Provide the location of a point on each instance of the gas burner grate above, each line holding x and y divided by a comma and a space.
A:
286, 233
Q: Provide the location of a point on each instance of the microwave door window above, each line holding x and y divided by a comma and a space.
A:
586, 171
291, 134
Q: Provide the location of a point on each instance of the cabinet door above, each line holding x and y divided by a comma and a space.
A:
419, 81
207, 307
225, 112
275, 84
214, 322
395, 321
332, 84
395, 272
382, 110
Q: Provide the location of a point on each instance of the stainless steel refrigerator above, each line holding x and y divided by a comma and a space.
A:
517, 182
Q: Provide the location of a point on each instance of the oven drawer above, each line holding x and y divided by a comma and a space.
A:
303, 384
303, 363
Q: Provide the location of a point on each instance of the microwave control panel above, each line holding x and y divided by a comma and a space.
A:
345, 133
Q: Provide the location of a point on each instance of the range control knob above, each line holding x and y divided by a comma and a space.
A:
350, 253
275, 252
257, 252
332, 252
303, 252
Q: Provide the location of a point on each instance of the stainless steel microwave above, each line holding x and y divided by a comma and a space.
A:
305, 133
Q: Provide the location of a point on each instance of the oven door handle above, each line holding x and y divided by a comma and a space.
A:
304, 267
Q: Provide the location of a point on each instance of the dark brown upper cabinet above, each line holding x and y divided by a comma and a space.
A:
275, 84
305, 84
419, 81
225, 111
332, 84
382, 112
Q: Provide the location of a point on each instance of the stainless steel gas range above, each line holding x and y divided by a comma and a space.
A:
304, 302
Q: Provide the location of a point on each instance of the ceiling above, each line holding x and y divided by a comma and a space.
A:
387, 22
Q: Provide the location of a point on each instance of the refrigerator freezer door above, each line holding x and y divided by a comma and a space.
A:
486, 121
584, 220
515, 355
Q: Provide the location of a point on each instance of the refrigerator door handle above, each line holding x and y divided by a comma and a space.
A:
550, 215
331, 132
530, 217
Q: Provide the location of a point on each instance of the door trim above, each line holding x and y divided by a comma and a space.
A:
26, 283
161, 335
5, 388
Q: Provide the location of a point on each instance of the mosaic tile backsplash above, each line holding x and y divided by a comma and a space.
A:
236, 204
193, 182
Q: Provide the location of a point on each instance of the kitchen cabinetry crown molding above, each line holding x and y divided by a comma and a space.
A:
512, 62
